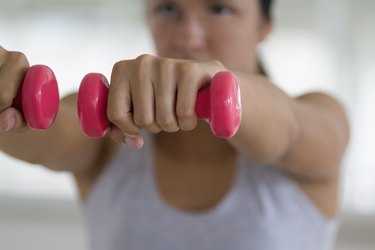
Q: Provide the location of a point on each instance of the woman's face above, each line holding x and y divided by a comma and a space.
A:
224, 30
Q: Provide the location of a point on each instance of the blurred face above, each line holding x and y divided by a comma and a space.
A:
224, 30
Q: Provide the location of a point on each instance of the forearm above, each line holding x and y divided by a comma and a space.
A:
306, 136
63, 147
28, 145
269, 125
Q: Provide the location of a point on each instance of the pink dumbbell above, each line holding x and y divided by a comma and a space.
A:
219, 105
38, 98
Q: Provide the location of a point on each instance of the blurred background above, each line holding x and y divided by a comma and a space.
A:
316, 45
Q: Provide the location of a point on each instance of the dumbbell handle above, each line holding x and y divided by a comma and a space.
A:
38, 98
219, 104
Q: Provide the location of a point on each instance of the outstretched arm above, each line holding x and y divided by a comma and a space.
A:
305, 136
63, 147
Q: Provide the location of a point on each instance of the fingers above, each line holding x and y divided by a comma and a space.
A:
186, 96
155, 94
13, 68
11, 120
142, 89
12, 72
134, 141
165, 97
119, 110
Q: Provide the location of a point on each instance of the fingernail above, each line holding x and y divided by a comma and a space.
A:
132, 142
123, 140
9, 124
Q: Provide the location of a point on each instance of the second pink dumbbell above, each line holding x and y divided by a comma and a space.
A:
38, 98
219, 105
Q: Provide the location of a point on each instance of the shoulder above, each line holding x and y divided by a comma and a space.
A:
332, 121
322, 99
328, 105
316, 156
324, 129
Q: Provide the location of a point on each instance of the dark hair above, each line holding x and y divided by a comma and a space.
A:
266, 6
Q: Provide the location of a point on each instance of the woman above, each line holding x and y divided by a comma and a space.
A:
274, 185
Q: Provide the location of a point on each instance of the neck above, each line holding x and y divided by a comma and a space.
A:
196, 145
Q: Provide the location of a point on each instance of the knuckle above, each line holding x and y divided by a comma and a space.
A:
143, 63
166, 71
185, 113
217, 63
116, 116
3, 51
117, 135
153, 129
166, 65
186, 118
6, 99
143, 121
188, 68
117, 68
18, 58
123, 122
144, 60
166, 121
188, 126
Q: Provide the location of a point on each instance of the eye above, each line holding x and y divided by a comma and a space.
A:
220, 9
167, 9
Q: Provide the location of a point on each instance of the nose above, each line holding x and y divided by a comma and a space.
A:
191, 37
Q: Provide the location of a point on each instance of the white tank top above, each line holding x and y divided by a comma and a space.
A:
263, 210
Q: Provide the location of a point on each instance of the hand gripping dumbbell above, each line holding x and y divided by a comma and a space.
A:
38, 98
219, 104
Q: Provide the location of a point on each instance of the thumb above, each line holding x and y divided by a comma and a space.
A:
11, 120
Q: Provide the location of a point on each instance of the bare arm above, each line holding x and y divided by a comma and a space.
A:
291, 132
275, 128
305, 136
63, 147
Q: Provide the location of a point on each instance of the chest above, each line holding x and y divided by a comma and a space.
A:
263, 211
194, 185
